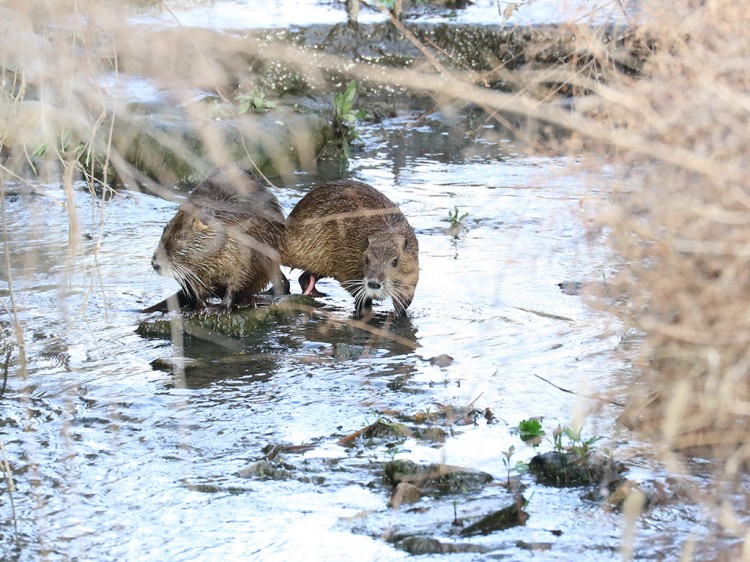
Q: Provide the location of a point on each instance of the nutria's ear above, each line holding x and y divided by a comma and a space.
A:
203, 219
198, 223
401, 242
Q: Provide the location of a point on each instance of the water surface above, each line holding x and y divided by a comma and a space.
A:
117, 455
259, 14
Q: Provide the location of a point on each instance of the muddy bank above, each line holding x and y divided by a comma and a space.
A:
168, 105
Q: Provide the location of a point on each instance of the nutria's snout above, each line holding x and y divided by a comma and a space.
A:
155, 263
373, 285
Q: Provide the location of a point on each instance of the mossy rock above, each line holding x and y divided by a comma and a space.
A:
427, 545
566, 469
239, 323
436, 479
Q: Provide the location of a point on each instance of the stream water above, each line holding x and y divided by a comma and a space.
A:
244, 14
114, 459
128, 444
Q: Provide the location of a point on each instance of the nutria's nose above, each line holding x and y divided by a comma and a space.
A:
373, 285
154, 263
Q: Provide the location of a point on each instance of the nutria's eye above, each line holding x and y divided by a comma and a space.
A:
182, 235
394, 263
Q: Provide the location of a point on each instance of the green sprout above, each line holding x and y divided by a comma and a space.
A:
254, 101
345, 116
455, 219
520, 467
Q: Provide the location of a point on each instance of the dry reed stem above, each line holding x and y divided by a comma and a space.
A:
681, 228
11, 487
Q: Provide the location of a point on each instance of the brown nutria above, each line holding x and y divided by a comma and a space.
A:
224, 241
350, 231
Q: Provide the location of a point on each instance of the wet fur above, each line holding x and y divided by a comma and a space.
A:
224, 241
350, 231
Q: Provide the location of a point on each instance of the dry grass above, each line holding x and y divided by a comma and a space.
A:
678, 135
681, 227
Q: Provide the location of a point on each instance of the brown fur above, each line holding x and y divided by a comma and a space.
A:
224, 241
351, 232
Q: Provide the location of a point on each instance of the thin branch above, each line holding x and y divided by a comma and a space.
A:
5, 369
613, 402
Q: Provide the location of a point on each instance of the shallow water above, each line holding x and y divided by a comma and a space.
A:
117, 457
255, 14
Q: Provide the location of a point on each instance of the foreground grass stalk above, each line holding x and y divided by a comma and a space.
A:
13, 312
11, 487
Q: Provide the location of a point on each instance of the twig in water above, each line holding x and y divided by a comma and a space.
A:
471, 405
349, 439
5, 370
613, 402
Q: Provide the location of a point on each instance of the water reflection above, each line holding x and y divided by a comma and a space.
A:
246, 345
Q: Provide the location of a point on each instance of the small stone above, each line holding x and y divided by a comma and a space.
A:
510, 516
570, 287
434, 434
404, 493
442, 360
436, 479
266, 470
559, 469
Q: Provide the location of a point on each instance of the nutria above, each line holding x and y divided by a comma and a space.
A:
350, 231
224, 242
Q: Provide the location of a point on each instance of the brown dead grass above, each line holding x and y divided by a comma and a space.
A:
683, 231
681, 228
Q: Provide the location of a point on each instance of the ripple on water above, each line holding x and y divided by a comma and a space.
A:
127, 447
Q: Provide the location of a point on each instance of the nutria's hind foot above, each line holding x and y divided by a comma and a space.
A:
307, 283
225, 308
279, 285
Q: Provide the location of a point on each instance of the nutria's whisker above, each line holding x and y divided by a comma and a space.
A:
359, 299
353, 284
193, 282
397, 299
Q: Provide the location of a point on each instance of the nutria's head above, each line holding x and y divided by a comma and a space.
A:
390, 269
187, 245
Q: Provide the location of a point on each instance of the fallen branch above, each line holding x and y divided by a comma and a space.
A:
613, 402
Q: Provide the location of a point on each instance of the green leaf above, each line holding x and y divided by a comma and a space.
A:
530, 429
41, 150
350, 93
573, 434
244, 103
